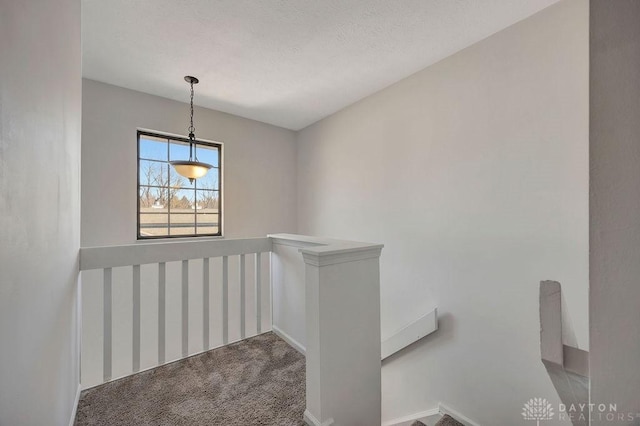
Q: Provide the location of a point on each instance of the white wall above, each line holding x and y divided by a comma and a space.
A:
615, 205
474, 174
289, 289
259, 184
40, 111
259, 198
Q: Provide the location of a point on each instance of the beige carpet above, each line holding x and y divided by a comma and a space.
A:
259, 381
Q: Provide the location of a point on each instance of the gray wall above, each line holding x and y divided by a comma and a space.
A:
40, 111
474, 174
615, 204
259, 185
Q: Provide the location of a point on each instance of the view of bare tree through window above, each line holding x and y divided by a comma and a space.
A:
168, 204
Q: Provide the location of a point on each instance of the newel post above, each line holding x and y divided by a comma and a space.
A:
343, 335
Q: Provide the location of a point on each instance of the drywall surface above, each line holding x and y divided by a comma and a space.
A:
474, 174
286, 63
289, 289
40, 112
615, 205
259, 163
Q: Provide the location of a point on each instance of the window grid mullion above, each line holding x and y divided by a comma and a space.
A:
195, 210
167, 190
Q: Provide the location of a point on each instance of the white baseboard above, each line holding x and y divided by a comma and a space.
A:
75, 405
290, 340
310, 420
401, 421
456, 415
423, 415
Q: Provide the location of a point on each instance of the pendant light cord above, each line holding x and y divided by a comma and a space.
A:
192, 130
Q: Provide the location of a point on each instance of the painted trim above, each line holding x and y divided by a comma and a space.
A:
552, 350
551, 322
410, 334
310, 420
412, 417
327, 251
290, 340
292, 243
456, 415
75, 405
576, 360
168, 251
351, 255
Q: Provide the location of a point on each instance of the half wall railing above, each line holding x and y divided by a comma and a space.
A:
163, 301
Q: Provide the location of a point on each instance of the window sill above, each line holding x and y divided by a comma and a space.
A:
178, 239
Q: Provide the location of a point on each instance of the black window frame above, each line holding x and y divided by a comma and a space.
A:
199, 142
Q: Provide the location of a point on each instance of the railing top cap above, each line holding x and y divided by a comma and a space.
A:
325, 246
169, 251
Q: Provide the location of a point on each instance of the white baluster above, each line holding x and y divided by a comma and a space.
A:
258, 301
136, 319
185, 308
243, 327
106, 325
225, 300
205, 304
162, 284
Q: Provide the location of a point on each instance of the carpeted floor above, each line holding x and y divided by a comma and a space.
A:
259, 381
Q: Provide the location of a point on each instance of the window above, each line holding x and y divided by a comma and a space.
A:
168, 204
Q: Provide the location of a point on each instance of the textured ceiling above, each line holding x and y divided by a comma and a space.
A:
284, 62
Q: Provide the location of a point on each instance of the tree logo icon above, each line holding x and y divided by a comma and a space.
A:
537, 409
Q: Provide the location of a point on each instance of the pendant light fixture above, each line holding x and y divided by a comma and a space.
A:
192, 168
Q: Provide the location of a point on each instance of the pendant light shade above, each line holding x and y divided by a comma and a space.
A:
191, 168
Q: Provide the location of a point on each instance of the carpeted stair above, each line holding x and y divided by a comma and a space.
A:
446, 420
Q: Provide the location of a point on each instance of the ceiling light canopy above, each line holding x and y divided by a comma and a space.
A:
192, 168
